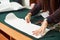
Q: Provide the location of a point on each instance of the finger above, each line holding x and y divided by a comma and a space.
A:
36, 33
33, 32
42, 33
28, 20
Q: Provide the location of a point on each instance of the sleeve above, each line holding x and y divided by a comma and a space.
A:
37, 7
55, 17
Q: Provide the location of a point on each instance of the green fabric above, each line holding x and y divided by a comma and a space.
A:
11, 0
51, 35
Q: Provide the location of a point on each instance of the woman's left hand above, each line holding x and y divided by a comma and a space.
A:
39, 31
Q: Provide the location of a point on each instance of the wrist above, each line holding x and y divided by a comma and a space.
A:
45, 23
29, 14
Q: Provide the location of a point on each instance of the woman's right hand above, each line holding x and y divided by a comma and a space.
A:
28, 17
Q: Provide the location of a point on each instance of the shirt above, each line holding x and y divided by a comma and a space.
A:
54, 16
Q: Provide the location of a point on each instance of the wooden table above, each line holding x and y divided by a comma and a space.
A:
14, 35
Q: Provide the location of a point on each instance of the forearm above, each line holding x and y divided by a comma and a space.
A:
35, 10
37, 7
54, 18
44, 24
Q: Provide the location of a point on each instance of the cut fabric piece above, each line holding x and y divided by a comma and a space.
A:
22, 25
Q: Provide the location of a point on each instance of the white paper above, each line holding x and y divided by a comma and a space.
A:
45, 14
4, 1
6, 5
22, 25
16, 6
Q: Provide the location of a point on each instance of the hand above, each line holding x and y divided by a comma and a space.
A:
42, 29
28, 17
39, 31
